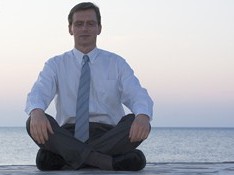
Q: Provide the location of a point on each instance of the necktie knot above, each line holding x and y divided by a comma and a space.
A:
85, 58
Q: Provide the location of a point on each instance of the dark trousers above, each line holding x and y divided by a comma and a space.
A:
104, 138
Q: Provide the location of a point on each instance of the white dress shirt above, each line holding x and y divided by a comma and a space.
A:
112, 84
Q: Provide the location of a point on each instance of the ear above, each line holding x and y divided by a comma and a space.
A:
99, 29
70, 29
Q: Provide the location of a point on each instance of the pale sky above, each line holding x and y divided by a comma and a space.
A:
181, 50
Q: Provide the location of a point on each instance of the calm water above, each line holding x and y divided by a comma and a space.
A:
163, 145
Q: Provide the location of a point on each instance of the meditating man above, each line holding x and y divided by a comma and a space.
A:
90, 86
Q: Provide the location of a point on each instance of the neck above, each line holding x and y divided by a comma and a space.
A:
85, 49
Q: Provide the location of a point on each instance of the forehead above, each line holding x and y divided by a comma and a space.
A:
84, 15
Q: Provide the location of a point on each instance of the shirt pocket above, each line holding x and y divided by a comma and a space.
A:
107, 92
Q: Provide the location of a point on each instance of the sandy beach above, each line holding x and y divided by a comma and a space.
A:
154, 168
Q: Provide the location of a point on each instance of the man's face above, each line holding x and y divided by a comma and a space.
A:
85, 28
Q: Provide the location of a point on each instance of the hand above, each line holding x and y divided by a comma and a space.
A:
140, 128
40, 126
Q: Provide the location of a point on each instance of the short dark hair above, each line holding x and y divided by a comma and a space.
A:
84, 6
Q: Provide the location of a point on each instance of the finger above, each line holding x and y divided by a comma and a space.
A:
145, 133
135, 134
37, 136
44, 132
143, 136
41, 135
34, 133
141, 133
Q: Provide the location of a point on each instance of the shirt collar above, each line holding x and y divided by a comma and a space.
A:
92, 55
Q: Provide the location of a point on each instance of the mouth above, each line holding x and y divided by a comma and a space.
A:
84, 36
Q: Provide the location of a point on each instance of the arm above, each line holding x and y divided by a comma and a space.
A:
38, 100
138, 101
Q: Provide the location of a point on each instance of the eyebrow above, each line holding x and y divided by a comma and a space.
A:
84, 21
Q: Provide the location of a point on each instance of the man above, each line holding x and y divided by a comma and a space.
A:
90, 127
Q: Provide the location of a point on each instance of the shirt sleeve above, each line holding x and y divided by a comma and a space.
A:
133, 95
43, 90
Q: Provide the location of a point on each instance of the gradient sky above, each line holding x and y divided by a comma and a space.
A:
182, 51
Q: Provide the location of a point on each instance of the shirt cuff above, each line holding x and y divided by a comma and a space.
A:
28, 110
145, 112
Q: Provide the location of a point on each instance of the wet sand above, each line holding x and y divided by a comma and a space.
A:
151, 168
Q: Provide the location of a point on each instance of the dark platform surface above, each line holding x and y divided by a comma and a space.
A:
151, 168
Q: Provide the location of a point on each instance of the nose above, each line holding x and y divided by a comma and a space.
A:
85, 26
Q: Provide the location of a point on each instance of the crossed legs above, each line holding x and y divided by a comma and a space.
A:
105, 141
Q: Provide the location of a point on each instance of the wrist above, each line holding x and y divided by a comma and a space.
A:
36, 111
143, 116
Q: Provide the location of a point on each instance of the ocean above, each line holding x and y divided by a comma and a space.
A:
162, 146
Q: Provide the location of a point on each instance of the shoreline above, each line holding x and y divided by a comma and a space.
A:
181, 168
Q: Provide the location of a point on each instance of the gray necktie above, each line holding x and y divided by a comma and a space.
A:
82, 106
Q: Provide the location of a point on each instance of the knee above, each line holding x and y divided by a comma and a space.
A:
128, 118
52, 121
